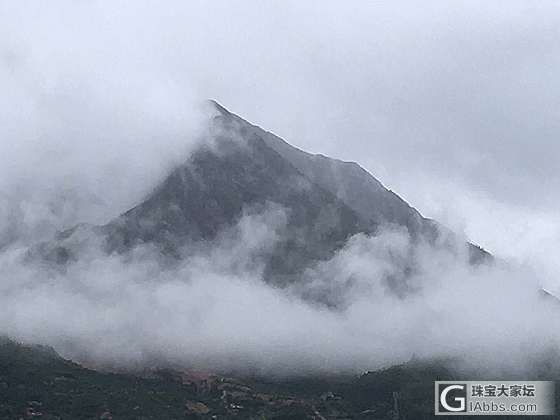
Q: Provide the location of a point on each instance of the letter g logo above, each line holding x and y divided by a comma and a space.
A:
452, 398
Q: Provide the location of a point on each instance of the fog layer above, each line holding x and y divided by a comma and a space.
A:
214, 310
452, 105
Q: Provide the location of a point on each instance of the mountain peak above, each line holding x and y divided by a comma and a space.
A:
214, 105
326, 200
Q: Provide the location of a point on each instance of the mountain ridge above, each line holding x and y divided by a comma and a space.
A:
242, 166
347, 174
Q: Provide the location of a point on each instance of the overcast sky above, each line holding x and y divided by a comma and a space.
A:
453, 105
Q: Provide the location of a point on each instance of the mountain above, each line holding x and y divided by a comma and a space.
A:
240, 166
354, 186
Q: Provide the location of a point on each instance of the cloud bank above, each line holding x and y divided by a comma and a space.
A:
215, 311
452, 106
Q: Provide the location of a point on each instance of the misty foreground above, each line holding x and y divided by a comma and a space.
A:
36, 382
260, 281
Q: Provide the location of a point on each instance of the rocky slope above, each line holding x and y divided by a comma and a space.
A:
240, 166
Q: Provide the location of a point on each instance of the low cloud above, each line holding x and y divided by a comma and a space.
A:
215, 310
453, 106
86, 131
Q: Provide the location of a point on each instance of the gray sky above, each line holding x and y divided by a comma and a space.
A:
454, 105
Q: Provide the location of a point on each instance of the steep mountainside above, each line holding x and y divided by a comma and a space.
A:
357, 188
241, 167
